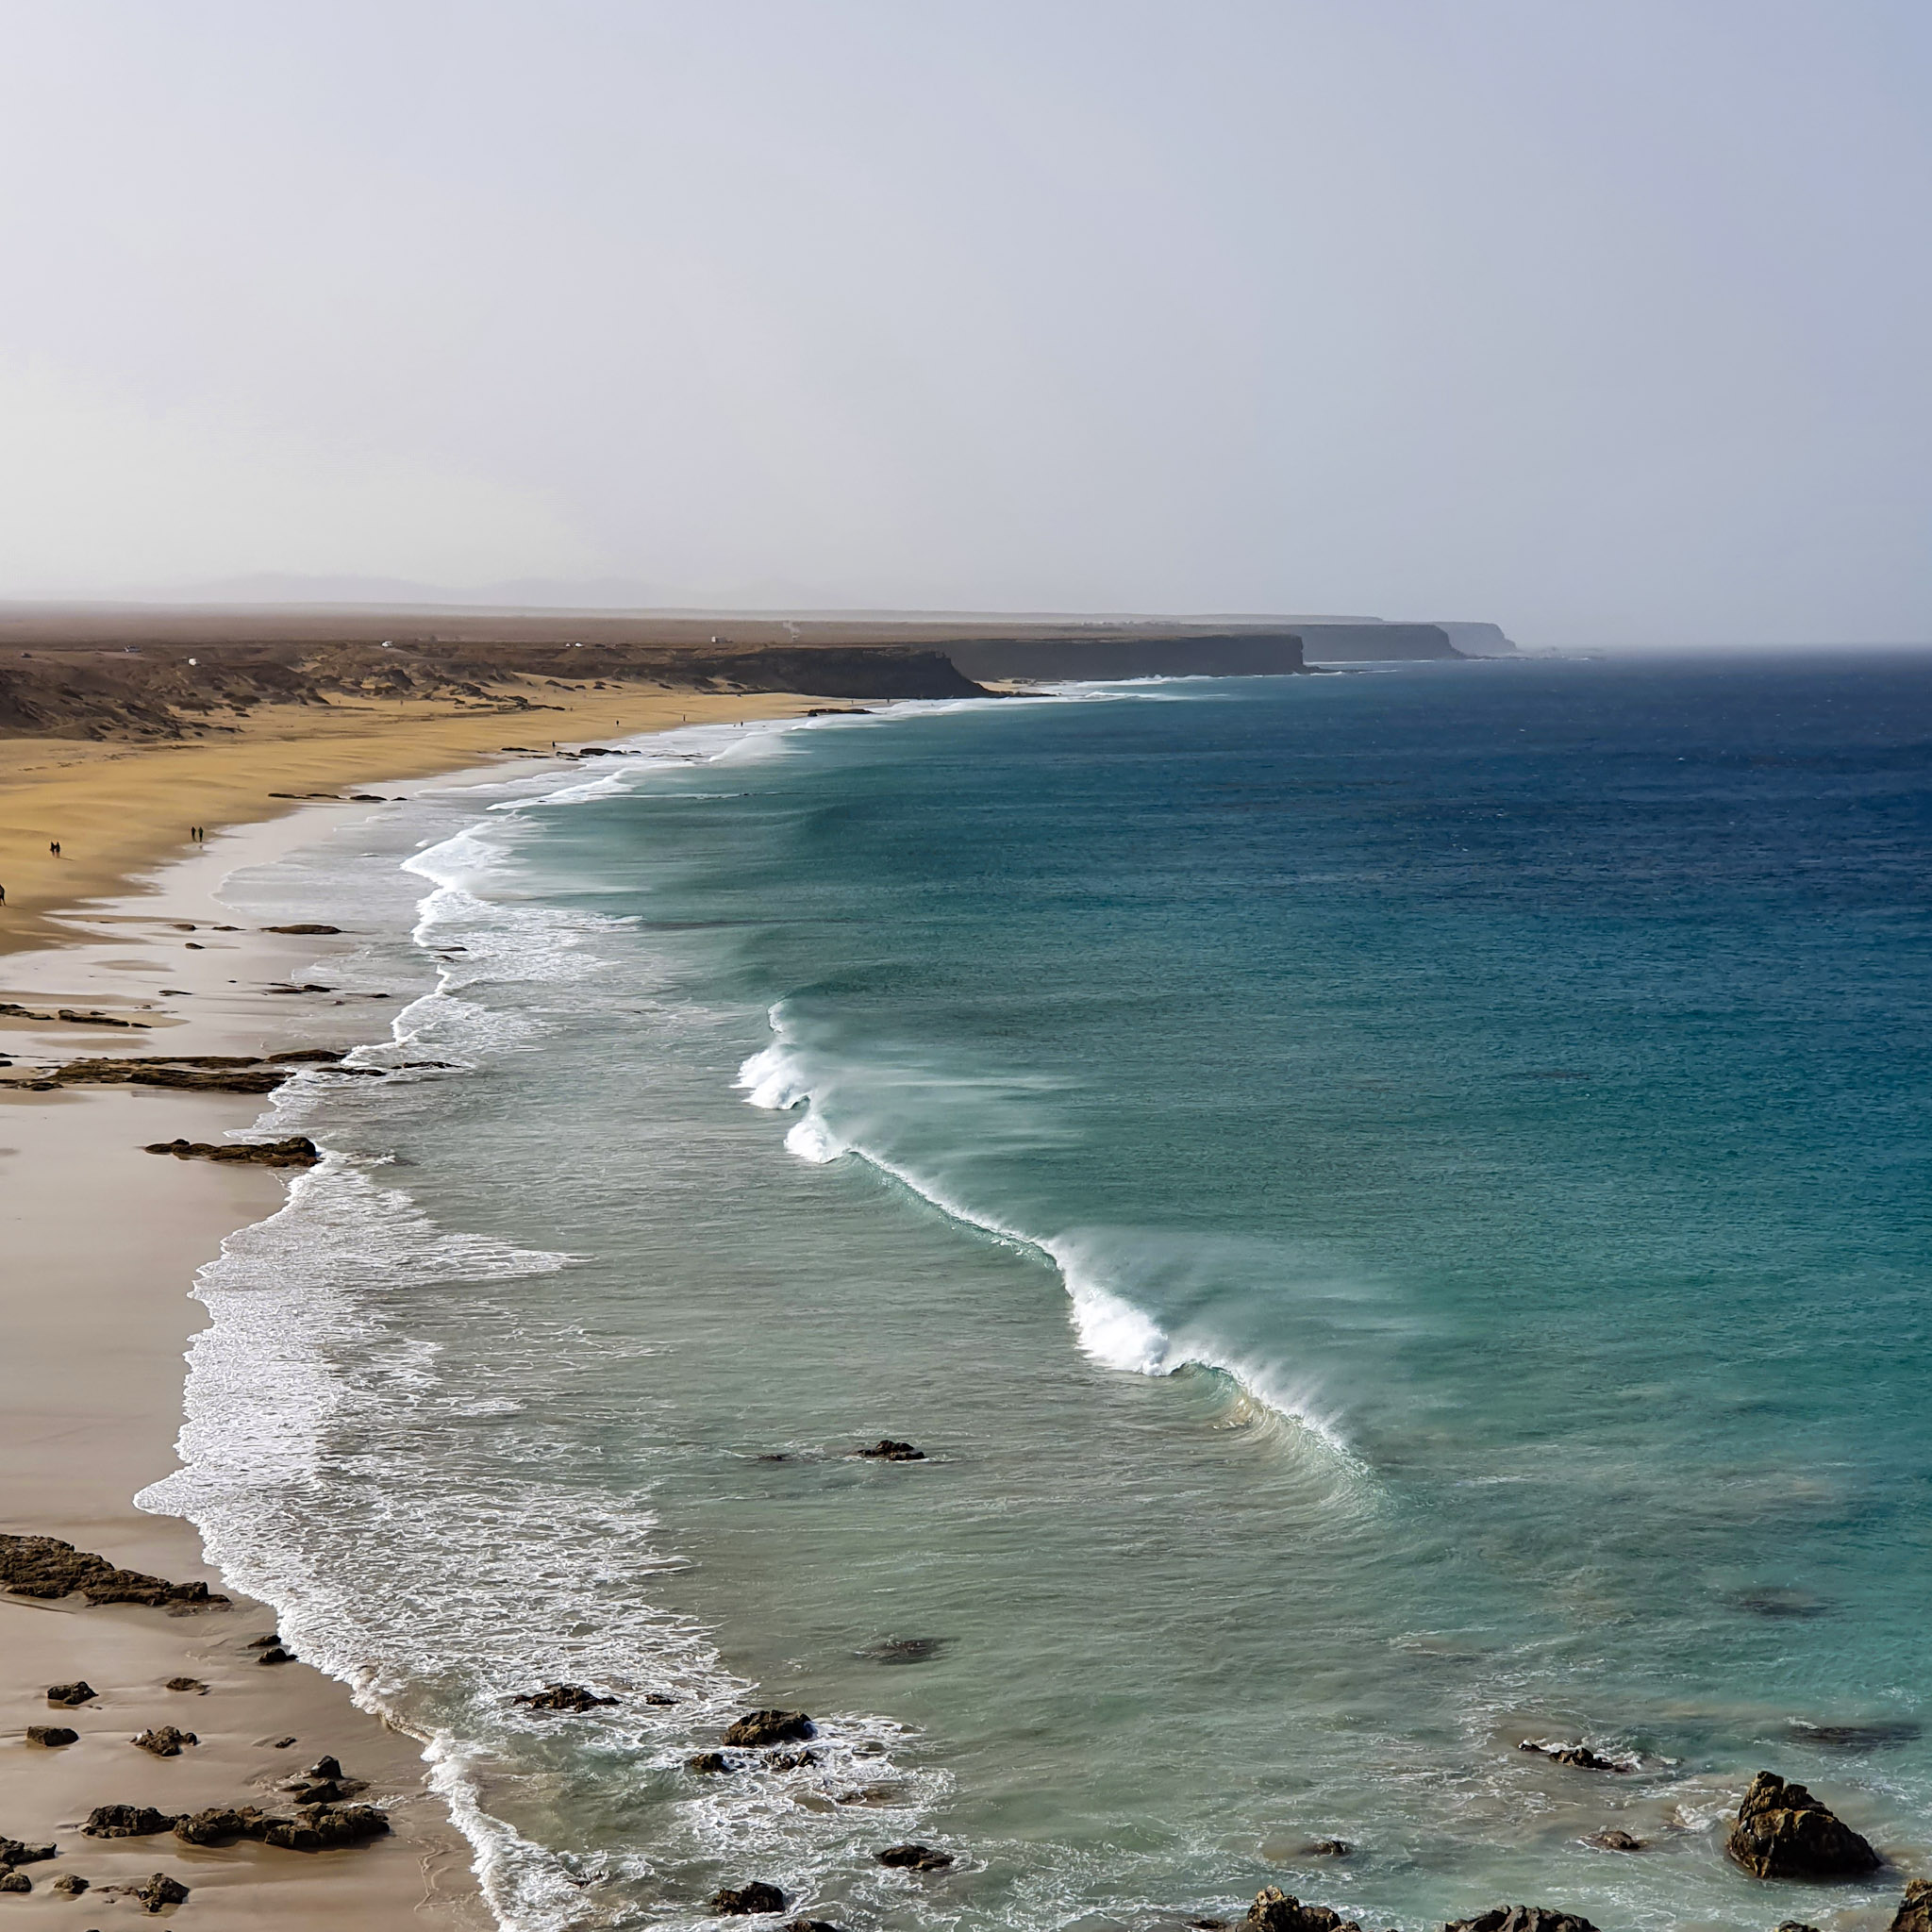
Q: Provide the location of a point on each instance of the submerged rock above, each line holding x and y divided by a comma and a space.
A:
572, 1697
740, 1902
1522, 1919
1275, 1910
51, 1736
1612, 1840
165, 1741
792, 1761
1915, 1910
709, 1763
127, 1821
914, 1857
1328, 1848
756, 1728
886, 1450
1577, 1756
1784, 1832
902, 1650
275, 1653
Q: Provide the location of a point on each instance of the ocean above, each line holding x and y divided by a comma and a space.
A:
1395, 1205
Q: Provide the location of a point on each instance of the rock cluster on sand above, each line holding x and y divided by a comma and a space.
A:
43, 1566
1612, 1840
165, 1740
298, 1150
760, 1727
1784, 1832
312, 1828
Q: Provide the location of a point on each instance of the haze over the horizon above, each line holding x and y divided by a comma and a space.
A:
1606, 322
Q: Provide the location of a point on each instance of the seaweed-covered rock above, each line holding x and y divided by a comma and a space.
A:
45, 1567
1915, 1910
1784, 1832
51, 1736
1275, 1910
165, 1740
1522, 1919
161, 1890
742, 1901
572, 1697
127, 1821
914, 1857
760, 1727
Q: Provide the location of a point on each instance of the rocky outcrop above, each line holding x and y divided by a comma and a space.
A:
159, 1891
1275, 1910
742, 1901
1579, 1757
1613, 1840
127, 1821
886, 1450
756, 1728
12, 1853
1784, 1832
1914, 1913
312, 1829
305, 929
298, 1150
15, 1881
51, 1736
69, 1885
1522, 1919
902, 1650
205, 1072
45, 1567
572, 1697
165, 1740
914, 1857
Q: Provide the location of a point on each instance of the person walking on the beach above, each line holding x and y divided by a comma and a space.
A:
54, 846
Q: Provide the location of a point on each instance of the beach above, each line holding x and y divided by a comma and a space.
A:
103, 1241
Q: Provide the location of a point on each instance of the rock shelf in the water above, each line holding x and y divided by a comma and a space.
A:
760, 1727
1784, 1832
572, 1697
914, 1857
742, 1901
298, 1150
886, 1450
311, 1828
1579, 1757
1522, 1919
45, 1567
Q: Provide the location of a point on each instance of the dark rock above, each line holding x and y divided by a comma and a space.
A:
166, 1742
1612, 1840
1579, 1755
563, 1697
51, 1736
276, 1655
904, 1650
127, 1821
914, 1857
810, 1925
658, 1697
1796, 1926
756, 1728
298, 1150
322, 1827
324, 1767
268, 1642
187, 1684
222, 1824
307, 930
709, 1763
886, 1450
1522, 1919
742, 1901
45, 1567
69, 1694
161, 1891
13, 1853
1915, 1910
792, 1761
1784, 1832
1208, 1925
69, 1885
1858, 1739
15, 1881
1328, 1848
1275, 1910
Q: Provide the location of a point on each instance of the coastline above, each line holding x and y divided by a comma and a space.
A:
104, 1240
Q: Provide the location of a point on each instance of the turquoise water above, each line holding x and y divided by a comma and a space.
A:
1396, 1204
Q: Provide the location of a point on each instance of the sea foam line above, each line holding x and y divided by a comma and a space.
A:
1109, 1329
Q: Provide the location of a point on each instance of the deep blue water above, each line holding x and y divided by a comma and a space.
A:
1397, 1204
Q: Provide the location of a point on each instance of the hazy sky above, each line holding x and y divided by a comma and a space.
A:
1604, 319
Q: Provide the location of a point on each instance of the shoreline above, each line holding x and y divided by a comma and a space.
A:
105, 1241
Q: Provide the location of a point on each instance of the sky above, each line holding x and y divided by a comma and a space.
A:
1605, 319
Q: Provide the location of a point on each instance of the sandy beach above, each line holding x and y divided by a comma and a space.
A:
102, 1242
